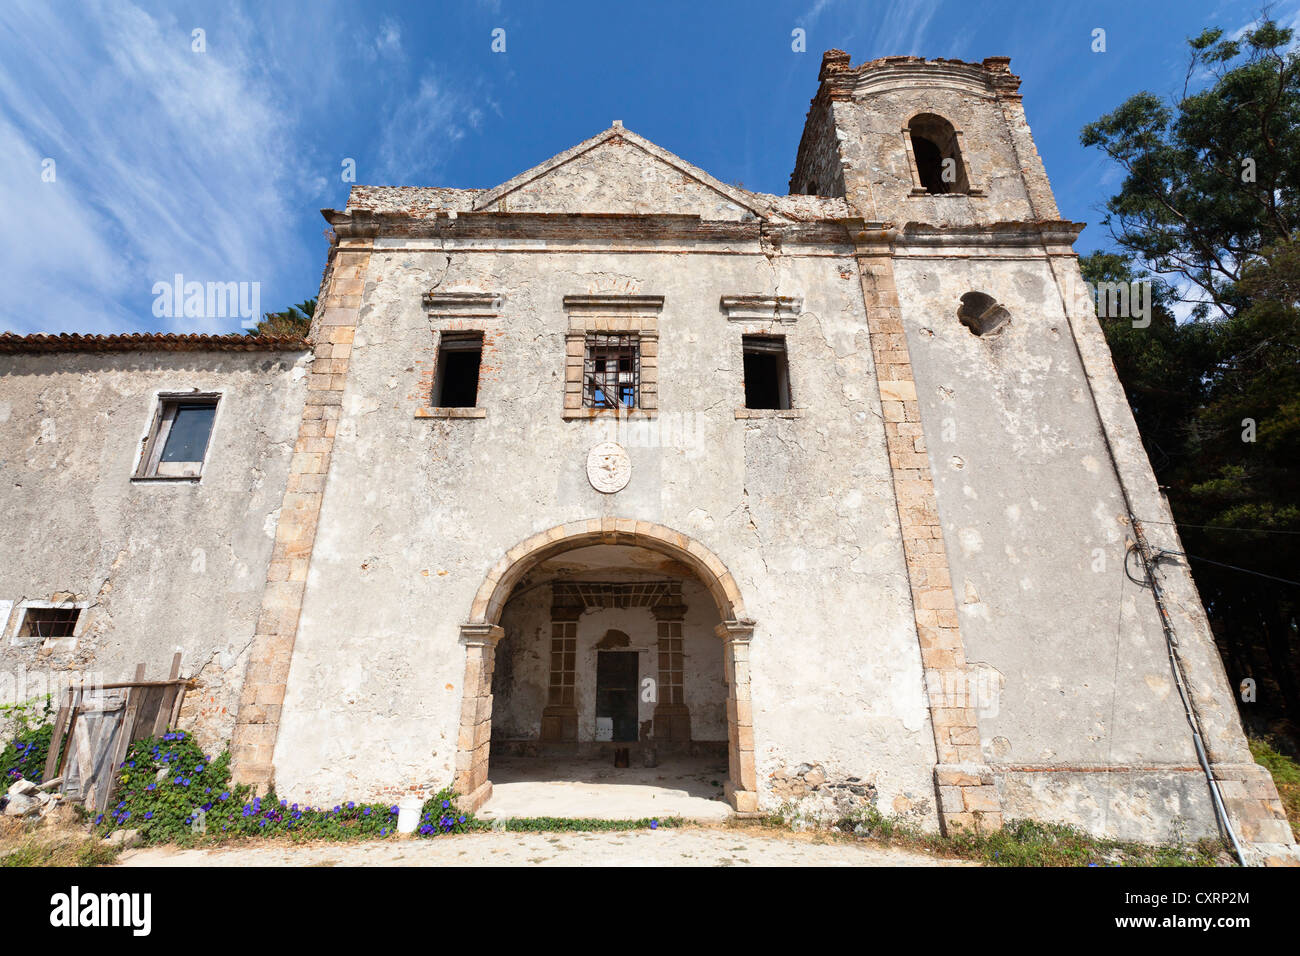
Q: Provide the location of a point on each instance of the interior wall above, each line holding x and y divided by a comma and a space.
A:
522, 673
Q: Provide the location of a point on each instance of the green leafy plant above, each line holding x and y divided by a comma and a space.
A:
439, 815
583, 824
1018, 843
173, 792
27, 732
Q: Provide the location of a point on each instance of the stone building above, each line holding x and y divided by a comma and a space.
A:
837, 489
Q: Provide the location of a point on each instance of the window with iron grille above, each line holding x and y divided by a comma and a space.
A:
670, 663
564, 654
43, 622
611, 372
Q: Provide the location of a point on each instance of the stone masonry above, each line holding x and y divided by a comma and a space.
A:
262, 697
967, 795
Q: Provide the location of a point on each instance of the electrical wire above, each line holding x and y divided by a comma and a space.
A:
1216, 527
1180, 681
1233, 567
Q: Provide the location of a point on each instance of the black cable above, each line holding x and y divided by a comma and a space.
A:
1233, 567
1215, 527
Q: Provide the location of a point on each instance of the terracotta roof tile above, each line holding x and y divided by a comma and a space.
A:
149, 341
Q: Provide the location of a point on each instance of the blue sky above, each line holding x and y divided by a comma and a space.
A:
214, 164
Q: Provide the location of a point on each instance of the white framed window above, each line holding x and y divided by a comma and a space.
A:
47, 622
177, 444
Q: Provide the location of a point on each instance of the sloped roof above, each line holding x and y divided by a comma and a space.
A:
11, 343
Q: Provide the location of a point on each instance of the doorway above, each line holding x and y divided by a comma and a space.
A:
616, 693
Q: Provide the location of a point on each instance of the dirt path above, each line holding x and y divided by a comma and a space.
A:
693, 846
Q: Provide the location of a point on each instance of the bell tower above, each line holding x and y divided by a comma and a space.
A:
905, 139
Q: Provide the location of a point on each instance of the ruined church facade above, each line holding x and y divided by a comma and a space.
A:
840, 486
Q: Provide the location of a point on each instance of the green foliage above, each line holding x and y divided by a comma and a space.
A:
27, 732
439, 815
1282, 767
583, 824
293, 322
1286, 775
1214, 176
1018, 843
1030, 843
174, 793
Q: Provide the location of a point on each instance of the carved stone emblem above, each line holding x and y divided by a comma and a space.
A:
608, 467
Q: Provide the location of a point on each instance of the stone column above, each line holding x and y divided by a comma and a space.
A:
472, 782
1006, 86
742, 779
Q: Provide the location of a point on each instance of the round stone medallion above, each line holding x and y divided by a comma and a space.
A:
608, 467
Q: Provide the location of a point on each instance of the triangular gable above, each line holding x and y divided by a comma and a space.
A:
621, 172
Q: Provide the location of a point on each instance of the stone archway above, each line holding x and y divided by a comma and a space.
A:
482, 631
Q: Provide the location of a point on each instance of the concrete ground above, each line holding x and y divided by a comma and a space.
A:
690, 846
574, 787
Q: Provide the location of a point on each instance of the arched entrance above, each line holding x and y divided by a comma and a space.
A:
483, 631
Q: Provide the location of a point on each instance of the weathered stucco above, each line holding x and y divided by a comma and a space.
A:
166, 566
799, 510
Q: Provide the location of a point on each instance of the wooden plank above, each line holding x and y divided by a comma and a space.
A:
104, 742
176, 707
83, 757
56, 737
133, 696
120, 685
72, 726
169, 695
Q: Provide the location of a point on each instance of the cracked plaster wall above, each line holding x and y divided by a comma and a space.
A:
417, 511
166, 566
1036, 529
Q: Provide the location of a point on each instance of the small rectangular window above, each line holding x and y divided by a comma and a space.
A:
767, 372
611, 373
177, 445
455, 384
42, 622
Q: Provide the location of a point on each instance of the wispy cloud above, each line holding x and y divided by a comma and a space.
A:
421, 130
167, 160
205, 159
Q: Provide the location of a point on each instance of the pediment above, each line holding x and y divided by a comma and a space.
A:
619, 172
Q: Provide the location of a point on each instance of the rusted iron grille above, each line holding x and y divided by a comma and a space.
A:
50, 622
611, 371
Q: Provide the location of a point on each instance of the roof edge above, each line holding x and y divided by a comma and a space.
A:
12, 343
